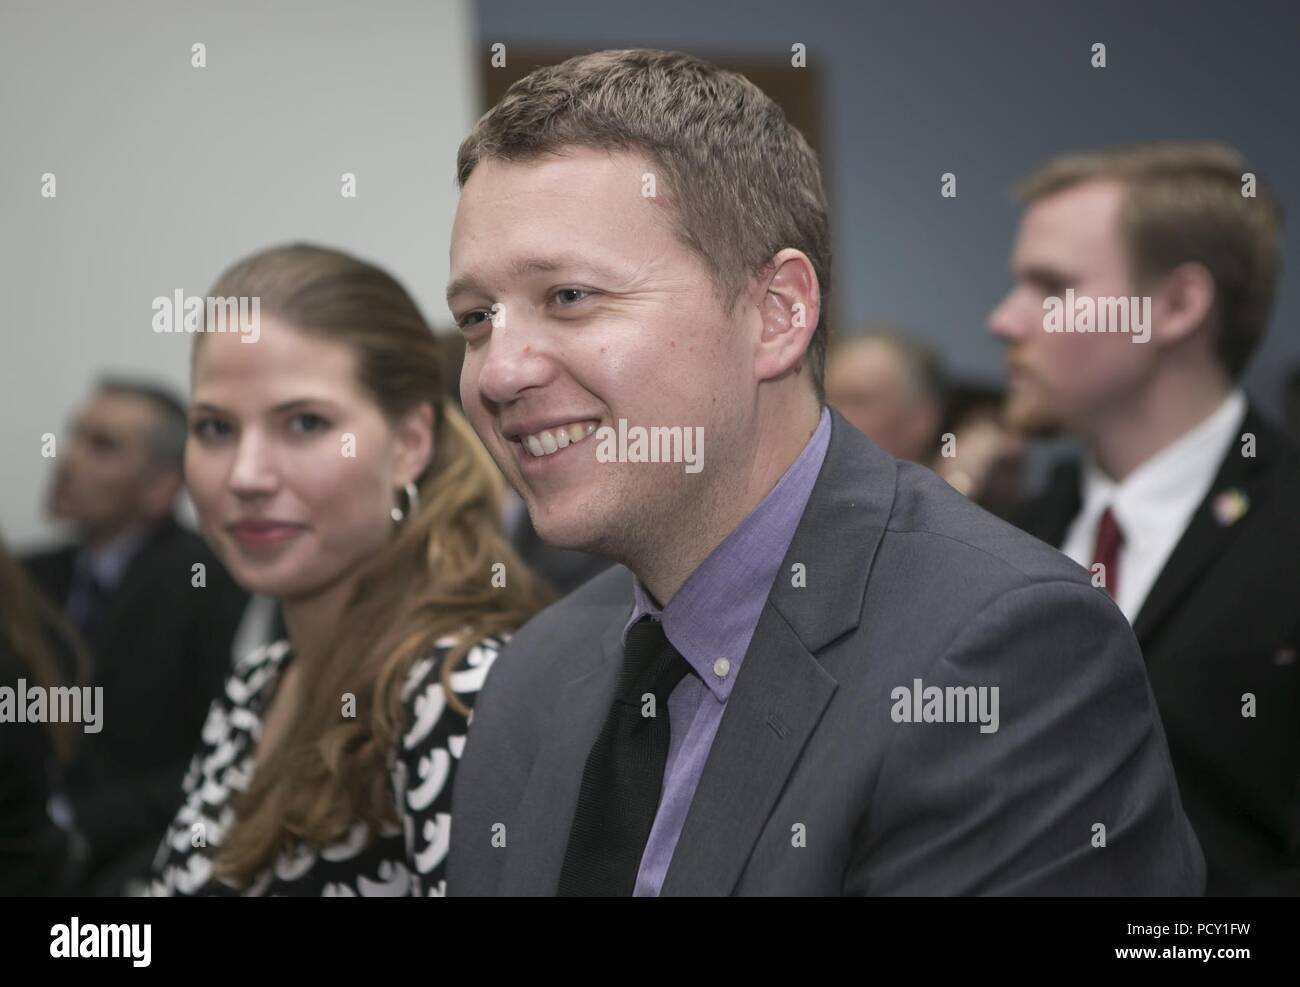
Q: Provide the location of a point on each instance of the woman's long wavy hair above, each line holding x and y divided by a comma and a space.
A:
45, 645
433, 578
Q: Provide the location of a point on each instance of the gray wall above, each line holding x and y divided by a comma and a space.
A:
167, 173
984, 90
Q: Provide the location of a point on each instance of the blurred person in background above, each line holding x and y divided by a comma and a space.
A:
985, 459
37, 855
893, 388
155, 608
1187, 502
1291, 404
330, 473
890, 386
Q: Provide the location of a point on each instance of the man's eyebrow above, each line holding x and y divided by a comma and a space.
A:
1041, 272
526, 266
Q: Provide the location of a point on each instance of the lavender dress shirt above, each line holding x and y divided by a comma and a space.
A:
710, 620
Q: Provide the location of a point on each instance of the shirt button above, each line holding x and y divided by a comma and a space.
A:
721, 667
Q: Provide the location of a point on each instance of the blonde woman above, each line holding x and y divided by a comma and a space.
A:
329, 472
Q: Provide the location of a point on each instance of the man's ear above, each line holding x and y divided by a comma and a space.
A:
789, 311
1181, 302
414, 434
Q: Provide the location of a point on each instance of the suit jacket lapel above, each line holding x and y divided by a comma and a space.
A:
54, 574
776, 703
782, 689
141, 575
536, 854
1207, 536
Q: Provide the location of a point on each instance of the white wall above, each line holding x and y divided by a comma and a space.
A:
166, 173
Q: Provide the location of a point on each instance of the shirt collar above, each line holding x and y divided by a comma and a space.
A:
1181, 472
108, 562
714, 614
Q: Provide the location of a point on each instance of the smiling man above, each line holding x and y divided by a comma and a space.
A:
643, 237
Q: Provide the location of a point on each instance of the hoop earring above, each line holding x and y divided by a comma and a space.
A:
412, 503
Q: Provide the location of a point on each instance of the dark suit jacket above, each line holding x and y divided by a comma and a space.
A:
161, 653
905, 580
1222, 620
35, 854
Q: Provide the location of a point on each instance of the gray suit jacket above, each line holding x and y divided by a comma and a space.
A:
812, 787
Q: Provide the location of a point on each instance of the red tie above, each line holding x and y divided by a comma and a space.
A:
1109, 541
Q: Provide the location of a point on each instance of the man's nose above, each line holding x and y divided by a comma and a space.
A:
516, 358
1006, 321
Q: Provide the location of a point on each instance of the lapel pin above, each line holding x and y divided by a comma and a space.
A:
1230, 506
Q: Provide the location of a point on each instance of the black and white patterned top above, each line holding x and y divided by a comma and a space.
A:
406, 859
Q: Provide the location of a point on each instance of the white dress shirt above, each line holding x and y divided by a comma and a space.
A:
1154, 504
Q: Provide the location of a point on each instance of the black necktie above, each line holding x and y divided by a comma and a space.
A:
87, 601
625, 771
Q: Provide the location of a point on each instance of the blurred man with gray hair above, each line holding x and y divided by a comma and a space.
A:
890, 386
155, 608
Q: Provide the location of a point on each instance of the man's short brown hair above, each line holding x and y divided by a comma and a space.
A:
1185, 202
744, 183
